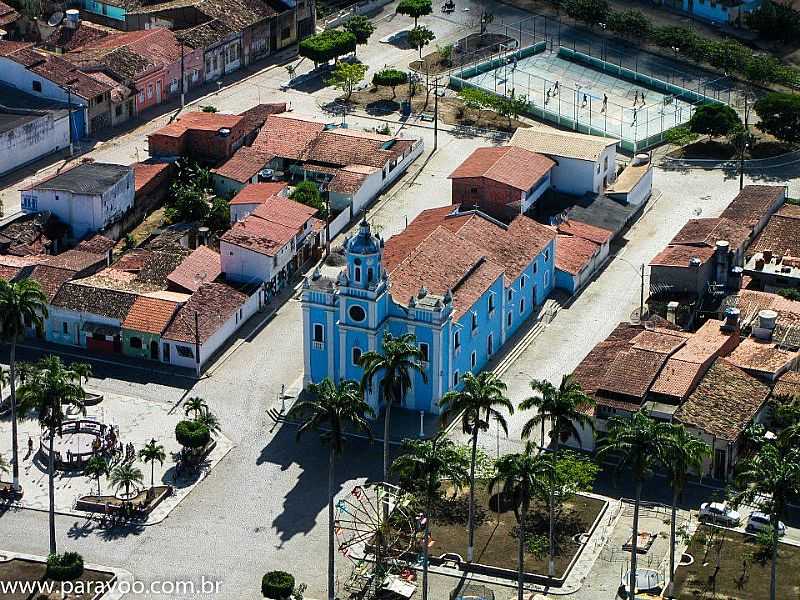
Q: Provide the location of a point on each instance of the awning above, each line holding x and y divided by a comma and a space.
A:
100, 329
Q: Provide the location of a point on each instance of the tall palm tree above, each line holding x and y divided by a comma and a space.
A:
50, 388
638, 443
771, 479
394, 367
96, 467
565, 408
82, 371
20, 303
150, 453
522, 476
331, 411
125, 475
482, 399
195, 406
683, 455
430, 461
210, 420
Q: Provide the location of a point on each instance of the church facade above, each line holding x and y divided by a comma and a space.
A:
459, 281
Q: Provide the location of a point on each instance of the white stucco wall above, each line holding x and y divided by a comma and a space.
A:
240, 211
579, 176
26, 143
241, 264
642, 190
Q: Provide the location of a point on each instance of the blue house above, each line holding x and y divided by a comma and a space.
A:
723, 12
461, 282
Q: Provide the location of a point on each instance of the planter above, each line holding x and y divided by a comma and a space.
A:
141, 506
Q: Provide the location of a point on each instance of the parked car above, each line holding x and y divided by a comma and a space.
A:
720, 513
759, 521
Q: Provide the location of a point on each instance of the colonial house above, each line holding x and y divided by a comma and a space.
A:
146, 320
460, 281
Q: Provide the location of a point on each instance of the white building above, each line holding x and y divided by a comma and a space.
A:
27, 135
89, 197
584, 163
254, 195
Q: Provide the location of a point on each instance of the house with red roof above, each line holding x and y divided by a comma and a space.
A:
501, 181
254, 195
460, 281
581, 249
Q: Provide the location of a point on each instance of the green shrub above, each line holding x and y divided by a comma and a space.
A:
277, 585
680, 135
209, 109
64, 567
329, 44
714, 119
192, 434
390, 78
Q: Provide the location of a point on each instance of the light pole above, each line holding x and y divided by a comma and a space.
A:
743, 143
639, 271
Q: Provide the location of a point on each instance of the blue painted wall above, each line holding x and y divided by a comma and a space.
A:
107, 10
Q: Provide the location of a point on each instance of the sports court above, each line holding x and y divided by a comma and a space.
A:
586, 94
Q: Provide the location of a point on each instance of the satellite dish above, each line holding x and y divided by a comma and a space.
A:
55, 18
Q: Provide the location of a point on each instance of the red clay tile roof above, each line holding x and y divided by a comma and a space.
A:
761, 356
201, 266
781, 235
753, 203
69, 38
788, 384
199, 121
75, 260
9, 273
144, 173
724, 403
591, 371
255, 117
133, 261
573, 254
632, 372
598, 235
750, 302
77, 297
259, 235
287, 137
7, 14
158, 47
399, 246
509, 165
707, 232
245, 164
679, 256
97, 244
257, 193
346, 181
285, 211
677, 378
150, 315
663, 342
214, 304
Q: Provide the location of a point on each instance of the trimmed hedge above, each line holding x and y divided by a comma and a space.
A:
64, 567
277, 585
329, 44
192, 434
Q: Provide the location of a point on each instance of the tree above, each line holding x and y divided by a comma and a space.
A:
20, 303
419, 37
50, 389
590, 12
393, 369
414, 9
481, 400
218, 218
361, 27
426, 462
775, 21
565, 408
125, 475
638, 443
82, 371
150, 453
510, 106
779, 114
630, 23
327, 45
96, 467
445, 53
210, 421
307, 192
195, 406
474, 99
684, 453
390, 78
522, 476
771, 480
346, 76
714, 120
335, 409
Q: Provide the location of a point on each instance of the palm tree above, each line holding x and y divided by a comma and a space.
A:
481, 400
20, 303
771, 478
638, 442
565, 408
684, 454
151, 453
334, 409
125, 475
82, 371
96, 467
210, 420
430, 461
195, 406
395, 366
522, 476
50, 388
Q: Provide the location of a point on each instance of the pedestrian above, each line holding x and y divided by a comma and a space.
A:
605, 103
634, 117
30, 445
547, 97
555, 88
642, 101
636, 99
585, 100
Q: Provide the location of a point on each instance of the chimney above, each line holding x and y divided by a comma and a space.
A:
672, 310
72, 19
765, 324
759, 264
731, 320
722, 261
767, 254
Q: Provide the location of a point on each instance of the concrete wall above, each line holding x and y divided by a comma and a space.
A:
683, 279
29, 142
144, 350
573, 176
642, 190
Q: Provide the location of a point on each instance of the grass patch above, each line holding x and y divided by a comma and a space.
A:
27, 572
741, 575
496, 533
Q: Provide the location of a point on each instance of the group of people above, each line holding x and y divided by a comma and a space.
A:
110, 445
551, 92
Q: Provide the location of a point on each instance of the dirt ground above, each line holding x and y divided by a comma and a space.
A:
763, 146
30, 571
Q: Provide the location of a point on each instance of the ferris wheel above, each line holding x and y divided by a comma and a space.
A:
360, 520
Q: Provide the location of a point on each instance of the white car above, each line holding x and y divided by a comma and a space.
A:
759, 521
719, 512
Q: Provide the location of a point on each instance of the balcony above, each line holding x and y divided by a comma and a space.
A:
318, 345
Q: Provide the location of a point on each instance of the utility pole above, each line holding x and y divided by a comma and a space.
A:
641, 297
197, 344
743, 145
436, 114
69, 122
327, 226
183, 80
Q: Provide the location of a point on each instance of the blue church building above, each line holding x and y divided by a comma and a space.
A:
461, 282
